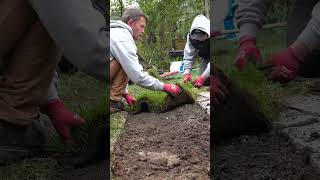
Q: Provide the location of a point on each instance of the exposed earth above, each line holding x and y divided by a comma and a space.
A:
94, 171
267, 156
171, 145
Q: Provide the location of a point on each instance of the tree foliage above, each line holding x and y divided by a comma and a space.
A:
278, 11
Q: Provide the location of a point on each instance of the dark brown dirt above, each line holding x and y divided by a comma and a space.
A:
93, 163
268, 156
94, 171
142, 106
168, 145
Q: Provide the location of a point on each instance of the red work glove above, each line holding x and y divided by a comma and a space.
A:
61, 118
216, 34
171, 89
283, 66
187, 78
248, 52
199, 82
218, 91
130, 99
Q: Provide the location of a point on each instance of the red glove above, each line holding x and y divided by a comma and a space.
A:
248, 52
199, 81
171, 89
130, 99
216, 34
61, 118
218, 91
283, 66
187, 77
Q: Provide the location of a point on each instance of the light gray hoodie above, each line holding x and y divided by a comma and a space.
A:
202, 23
124, 49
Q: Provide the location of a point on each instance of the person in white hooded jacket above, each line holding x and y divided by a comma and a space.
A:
198, 41
124, 63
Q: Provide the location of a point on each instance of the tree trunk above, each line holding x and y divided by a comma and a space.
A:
206, 8
121, 7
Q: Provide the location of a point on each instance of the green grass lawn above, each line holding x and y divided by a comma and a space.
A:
117, 121
157, 98
269, 95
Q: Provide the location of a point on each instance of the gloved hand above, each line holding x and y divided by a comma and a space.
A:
247, 52
130, 99
171, 89
215, 34
187, 78
283, 66
199, 82
61, 118
218, 91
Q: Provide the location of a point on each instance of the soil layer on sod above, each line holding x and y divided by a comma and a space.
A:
267, 156
170, 145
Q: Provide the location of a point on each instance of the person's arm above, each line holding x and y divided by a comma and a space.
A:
250, 16
52, 91
201, 79
126, 90
79, 31
126, 53
206, 72
286, 63
188, 54
310, 36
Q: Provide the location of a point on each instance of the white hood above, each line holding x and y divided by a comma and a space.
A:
202, 23
120, 24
